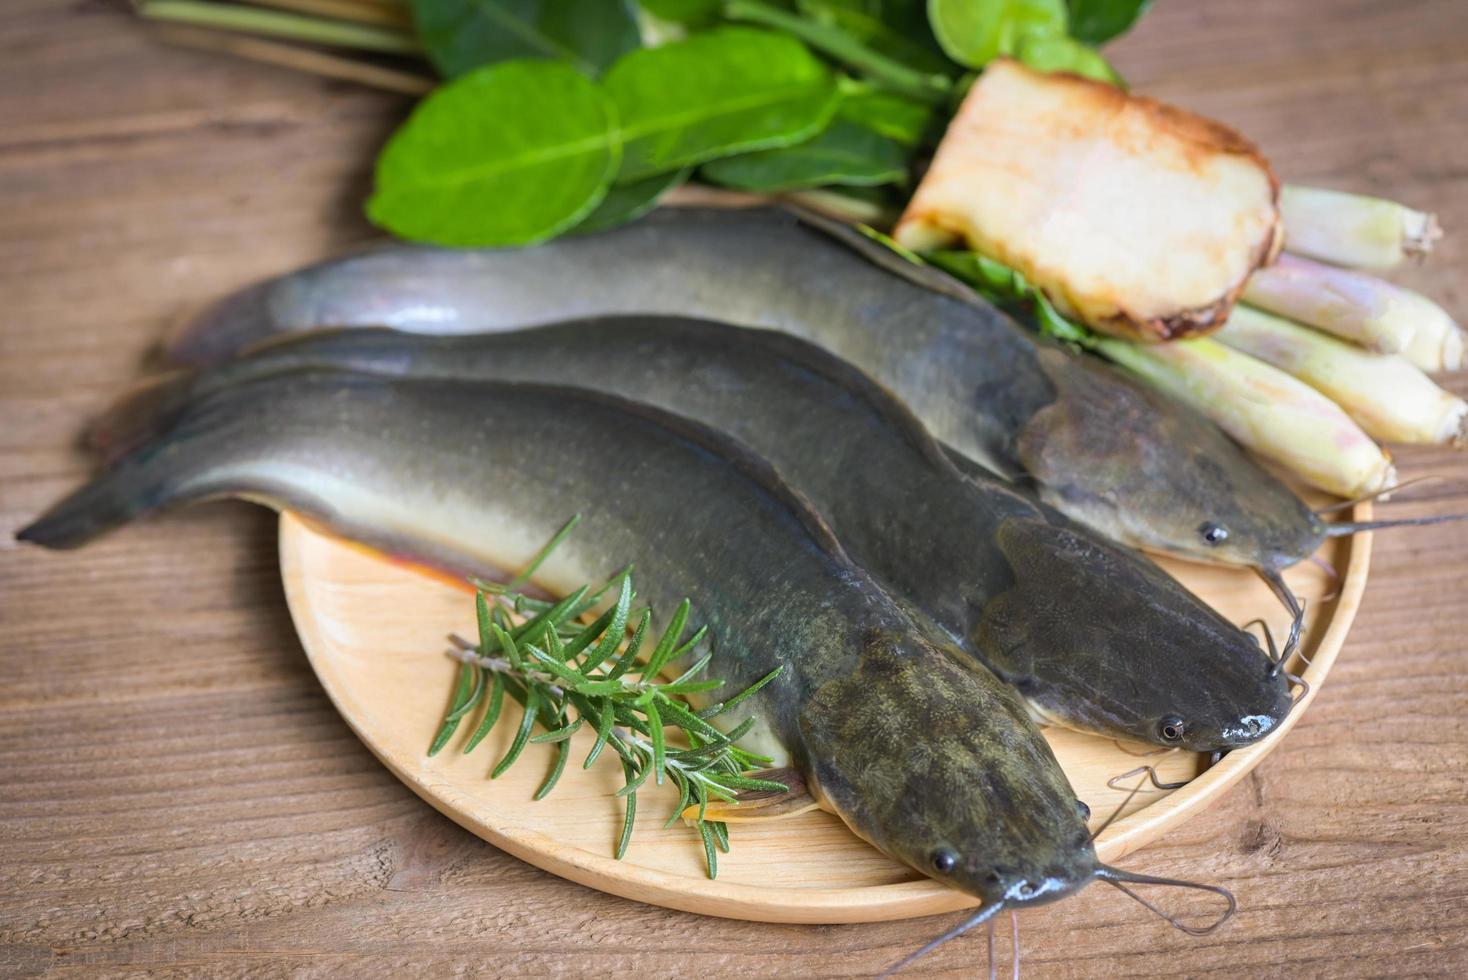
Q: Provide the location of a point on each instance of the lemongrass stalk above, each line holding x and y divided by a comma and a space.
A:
1353, 229
1438, 344
297, 58
1279, 417
252, 20
357, 11
1349, 304
1387, 395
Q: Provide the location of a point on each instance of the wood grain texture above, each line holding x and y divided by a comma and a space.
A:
178, 797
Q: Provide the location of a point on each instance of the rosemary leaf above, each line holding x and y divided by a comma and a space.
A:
718, 709
563, 751
462, 686
628, 659
605, 718
659, 745
629, 816
616, 630
663, 652
473, 700
685, 792
710, 852
532, 706
735, 781
560, 734
543, 553
506, 643
491, 713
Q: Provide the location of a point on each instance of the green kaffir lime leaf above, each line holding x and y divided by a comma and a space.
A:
1068, 55
974, 32
461, 35
510, 154
1098, 21
844, 153
724, 91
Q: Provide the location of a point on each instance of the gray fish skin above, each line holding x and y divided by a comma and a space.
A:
1110, 453
1096, 638
917, 754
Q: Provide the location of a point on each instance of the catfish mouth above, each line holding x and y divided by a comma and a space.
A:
1246, 731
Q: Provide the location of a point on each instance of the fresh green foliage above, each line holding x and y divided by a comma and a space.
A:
461, 35
281, 24
881, 27
1098, 21
726, 91
569, 674
843, 47
510, 154
627, 202
771, 96
974, 32
843, 154
682, 11
1061, 53
897, 118
1000, 283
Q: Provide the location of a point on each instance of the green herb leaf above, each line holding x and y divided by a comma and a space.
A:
463, 686
629, 816
530, 569
522, 734
628, 202
510, 154
461, 35
844, 154
1098, 21
491, 713
1060, 53
726, 91
838, 44
873, 25
899, 119
710, 853
563, 751
682, 11
974, 32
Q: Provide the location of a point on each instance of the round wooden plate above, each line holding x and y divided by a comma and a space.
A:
375, 634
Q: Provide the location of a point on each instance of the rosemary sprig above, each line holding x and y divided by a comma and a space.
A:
569, 675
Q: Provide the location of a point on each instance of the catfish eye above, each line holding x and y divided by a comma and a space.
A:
1213, 533
944, 860
1171, 728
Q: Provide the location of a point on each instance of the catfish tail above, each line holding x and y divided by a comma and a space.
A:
138, 415
168, 464
120, 494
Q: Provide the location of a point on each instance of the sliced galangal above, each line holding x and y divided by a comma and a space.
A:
1137, 218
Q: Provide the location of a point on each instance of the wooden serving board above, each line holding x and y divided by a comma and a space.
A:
375, 634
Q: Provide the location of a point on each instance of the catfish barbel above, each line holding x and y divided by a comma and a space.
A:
1130, 462
1095, 637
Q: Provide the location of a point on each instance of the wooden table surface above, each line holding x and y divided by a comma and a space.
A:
176, 793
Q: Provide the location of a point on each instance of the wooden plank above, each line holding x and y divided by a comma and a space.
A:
177, 795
